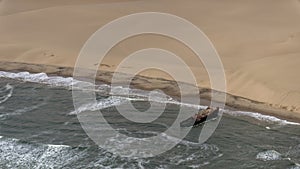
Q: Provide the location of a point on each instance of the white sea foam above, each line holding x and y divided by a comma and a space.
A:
15, 153
269, 155
109, 102
5, 93
21, 111
294, 155
56, 156
297, 166
261, 117
207, 153
9, 114
129, 94
199, 165
40, 78
130, 147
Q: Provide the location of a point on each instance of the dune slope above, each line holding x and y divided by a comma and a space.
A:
258, 41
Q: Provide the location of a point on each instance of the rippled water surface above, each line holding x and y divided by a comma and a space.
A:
39, 129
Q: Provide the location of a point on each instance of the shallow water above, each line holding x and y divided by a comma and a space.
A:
39, 129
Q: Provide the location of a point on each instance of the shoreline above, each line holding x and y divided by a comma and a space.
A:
167, 86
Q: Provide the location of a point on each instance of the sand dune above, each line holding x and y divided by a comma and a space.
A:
19, 6
258, 41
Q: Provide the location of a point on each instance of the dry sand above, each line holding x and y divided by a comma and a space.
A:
258, 42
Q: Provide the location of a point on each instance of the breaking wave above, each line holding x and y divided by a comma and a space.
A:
5, 93
39, 78
27, 155
15, 153
109, 102
261, 117
122, 94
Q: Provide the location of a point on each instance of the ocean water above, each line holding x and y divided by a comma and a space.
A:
39, 129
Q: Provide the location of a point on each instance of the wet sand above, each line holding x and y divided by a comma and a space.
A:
258, 43
167, 86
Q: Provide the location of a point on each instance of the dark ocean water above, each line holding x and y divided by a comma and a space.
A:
39, 129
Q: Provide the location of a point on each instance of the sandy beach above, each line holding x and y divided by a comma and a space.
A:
258, 44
